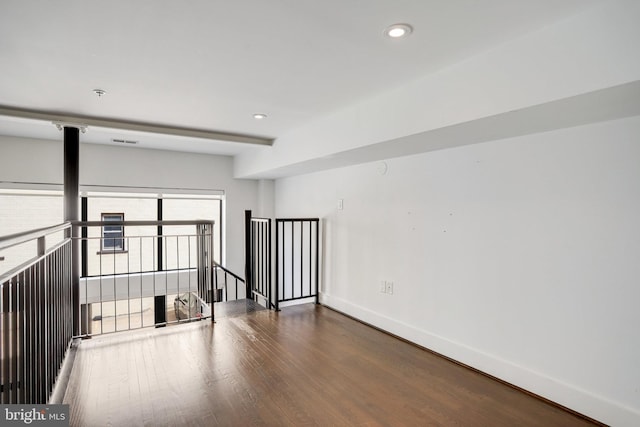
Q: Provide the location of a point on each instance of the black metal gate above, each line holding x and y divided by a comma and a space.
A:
297, 259
258, 271
297, 256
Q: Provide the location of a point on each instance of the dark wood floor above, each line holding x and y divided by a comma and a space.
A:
304, 366
236, 308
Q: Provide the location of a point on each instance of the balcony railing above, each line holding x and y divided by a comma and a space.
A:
158, 273
36, 324
144, 273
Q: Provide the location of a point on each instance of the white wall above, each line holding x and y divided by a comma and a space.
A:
266, 199
20, 213
518, 257
40, 161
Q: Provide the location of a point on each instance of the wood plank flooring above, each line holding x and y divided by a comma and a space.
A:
304, 366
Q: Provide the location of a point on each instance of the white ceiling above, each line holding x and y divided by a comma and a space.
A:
210, 65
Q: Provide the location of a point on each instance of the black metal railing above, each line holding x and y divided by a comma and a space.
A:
260, 256
36, 323
161, 272
45, 303
297, 259
224, 281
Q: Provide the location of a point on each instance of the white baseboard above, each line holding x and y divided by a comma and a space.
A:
582, 401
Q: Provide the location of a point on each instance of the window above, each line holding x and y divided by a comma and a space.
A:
140, 242
113, 235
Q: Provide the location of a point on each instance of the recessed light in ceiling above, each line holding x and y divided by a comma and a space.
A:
396, 31
259, 116
99, 92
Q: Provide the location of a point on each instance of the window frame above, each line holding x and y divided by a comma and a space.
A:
121, 237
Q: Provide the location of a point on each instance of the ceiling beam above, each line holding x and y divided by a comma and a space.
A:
135, 126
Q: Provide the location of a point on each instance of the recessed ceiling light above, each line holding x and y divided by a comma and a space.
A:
398, 30
99, 92
259, 116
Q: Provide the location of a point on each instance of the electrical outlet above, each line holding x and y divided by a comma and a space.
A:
383, 286
390, 288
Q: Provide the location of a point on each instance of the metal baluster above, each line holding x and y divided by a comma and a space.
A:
154, 273
129, 284
177, 268
277, 265
167, 270
20, 339
310, 266
115, 299
86, 298
141, 270
100, 283
317, 275
6, 347
265, 258
301, 256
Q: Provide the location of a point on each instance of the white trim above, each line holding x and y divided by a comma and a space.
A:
570, 396
29, 192
105, 190
85, 122
36, 186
